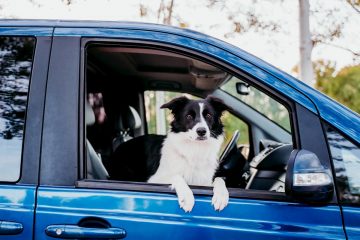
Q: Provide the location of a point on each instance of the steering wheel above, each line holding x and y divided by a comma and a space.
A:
230, 146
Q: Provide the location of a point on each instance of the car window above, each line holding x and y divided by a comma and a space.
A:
16, 56
125, 128
158, 120
261, 102
346, 159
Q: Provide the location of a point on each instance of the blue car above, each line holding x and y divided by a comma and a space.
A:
74, 92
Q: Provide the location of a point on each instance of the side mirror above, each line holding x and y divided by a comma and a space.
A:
307, 179
242, 88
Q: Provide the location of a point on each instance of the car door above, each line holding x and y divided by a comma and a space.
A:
70, 206
24, 57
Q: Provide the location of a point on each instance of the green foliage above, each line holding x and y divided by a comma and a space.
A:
262, 103
232, 123
343, 86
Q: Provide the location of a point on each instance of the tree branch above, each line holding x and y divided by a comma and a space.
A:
357, 54
353, 6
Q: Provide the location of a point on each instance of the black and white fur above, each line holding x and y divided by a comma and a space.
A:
186, 156
189, 155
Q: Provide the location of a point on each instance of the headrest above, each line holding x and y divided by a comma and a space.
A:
129, 119
89, 114
137, 119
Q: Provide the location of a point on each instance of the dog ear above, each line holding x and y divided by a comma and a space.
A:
217, 103
176, 103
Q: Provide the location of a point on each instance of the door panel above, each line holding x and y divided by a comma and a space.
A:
158, 216
152, 215
17, 206
351, 221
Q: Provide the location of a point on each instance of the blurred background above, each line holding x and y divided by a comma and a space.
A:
316, 41
269, 29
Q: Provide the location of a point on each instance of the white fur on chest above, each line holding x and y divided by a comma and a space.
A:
195, 161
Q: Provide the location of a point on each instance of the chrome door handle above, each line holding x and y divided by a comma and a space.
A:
74, 231
10, 228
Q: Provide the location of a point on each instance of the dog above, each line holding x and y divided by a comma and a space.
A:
189, 154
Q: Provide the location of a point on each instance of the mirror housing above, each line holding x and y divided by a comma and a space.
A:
242, 88
307, 180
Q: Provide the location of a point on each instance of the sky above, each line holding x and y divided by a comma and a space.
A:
280, 48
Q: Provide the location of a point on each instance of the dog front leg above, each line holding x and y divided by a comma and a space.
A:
221, 194
185, 195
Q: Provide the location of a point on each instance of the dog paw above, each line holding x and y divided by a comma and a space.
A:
221, 195
186, 199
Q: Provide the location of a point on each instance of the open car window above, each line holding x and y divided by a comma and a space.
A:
125, 87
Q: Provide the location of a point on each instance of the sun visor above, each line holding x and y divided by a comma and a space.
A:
207, 79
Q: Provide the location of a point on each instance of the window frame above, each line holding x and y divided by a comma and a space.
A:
146, 187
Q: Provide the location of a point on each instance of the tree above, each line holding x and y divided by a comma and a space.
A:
306, 45
343, 86
244, 18
355, 4
15, 65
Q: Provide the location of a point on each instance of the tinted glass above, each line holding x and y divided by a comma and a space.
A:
346, 159
261, 102
16, 54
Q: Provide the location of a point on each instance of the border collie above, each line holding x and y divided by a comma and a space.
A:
189, 155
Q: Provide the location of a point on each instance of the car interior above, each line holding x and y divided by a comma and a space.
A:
117, 78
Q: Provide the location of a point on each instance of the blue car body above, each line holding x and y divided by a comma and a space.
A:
42, 202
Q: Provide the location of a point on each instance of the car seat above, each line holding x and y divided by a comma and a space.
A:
94, 165
126, 122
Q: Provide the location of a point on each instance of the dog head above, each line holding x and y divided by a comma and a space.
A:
200, 120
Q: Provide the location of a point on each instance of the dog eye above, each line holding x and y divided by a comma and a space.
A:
208, 116
189, 117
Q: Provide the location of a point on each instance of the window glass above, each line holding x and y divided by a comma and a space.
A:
16, 54
158, 120
261, 102
231, 123
346, 159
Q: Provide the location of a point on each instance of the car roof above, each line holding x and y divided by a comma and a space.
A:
331, 111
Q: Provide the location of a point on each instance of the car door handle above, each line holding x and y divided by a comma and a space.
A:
10, 228
74, 231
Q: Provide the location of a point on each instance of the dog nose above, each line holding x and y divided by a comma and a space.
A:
201, 131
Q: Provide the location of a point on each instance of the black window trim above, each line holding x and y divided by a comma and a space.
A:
133, 186
35, 110
60, 132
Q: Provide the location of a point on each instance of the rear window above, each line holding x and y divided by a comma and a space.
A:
16, 57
